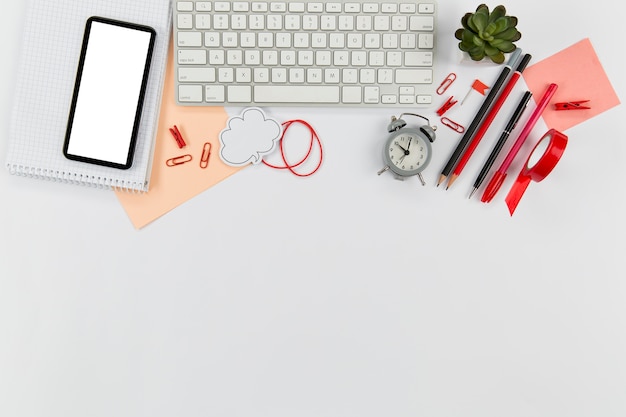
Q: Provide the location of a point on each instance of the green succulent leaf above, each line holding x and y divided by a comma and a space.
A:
482, 8
491, 51
479, 21
468, 37
500, 25
497, 13
511, 34
477, 54
459, 34
498, 58
465, 47
468, 23
504, 46
486, 37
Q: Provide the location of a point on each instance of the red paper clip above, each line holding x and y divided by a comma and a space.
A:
571, 105
446, 106
179, 160
206, 154
452, 125
446, 83
178, 137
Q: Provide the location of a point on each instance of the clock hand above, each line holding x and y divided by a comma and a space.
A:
406, 151
409, 145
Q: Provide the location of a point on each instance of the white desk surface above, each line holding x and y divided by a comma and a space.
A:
344, 294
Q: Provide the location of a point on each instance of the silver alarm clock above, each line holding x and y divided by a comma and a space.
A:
407, 151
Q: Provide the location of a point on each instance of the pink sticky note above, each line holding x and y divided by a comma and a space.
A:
580, 76
171, 186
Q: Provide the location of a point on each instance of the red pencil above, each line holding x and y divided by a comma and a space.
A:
488, 119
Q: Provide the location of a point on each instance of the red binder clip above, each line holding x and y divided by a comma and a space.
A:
446, 106
178, 137
571, 105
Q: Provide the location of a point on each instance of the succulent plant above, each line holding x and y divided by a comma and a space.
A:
487, 34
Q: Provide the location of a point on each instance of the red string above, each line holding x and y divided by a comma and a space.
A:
290, 167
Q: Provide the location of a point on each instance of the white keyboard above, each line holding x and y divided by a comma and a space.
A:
305, 53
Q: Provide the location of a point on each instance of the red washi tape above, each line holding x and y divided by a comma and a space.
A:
541, 161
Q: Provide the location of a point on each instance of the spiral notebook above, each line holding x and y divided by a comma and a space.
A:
51, 46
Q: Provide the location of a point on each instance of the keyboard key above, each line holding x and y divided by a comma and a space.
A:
315, 7
278, 7
203, 6
371, 95
241, 6
426, 41
196, 75
185, 21
418, 59
239, 94
259, 7
214, 93
414, 76
184, 6
192, 57
333, 7
296, 94
189, 39
222, 6
422, 23
351, 94
296, 7
426, 8
190, 93
424, 99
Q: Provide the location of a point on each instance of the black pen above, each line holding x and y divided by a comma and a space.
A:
517, 114
480, 115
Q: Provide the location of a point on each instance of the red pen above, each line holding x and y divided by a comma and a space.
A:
490, 116
500, 175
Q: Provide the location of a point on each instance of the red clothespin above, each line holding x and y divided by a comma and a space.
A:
446, 106
178, 137
571, 105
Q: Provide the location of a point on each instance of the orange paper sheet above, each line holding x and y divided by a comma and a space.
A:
172, 186
580, 76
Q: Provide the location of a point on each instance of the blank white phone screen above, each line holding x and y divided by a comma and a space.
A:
108, 102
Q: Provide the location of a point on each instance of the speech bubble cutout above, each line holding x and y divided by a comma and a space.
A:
248, 137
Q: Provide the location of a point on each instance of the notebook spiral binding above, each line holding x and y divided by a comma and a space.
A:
78, 179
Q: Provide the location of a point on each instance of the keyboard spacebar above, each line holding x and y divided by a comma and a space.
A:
296, 94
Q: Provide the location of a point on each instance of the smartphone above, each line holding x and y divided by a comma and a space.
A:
109, 91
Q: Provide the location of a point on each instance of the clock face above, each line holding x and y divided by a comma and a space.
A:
407, 152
